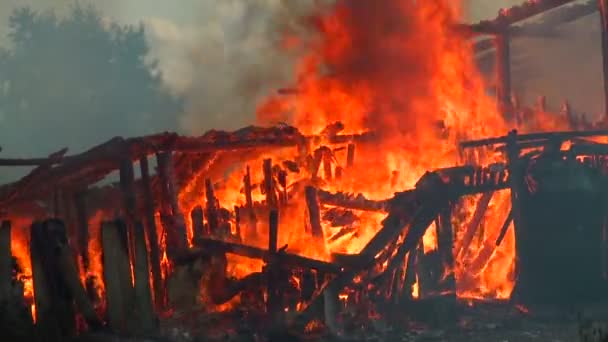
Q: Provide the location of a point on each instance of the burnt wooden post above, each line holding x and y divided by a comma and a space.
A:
155, 258
350, 155
211, 206
198, 225
127, 186
6, 262
516, 185
251, 219
68, 271
273, 303
503, 72
327, 165
314, 215
146, 319
55, 320
271, 200
176, 235
603, 6
82, 220
117, 275
445, 243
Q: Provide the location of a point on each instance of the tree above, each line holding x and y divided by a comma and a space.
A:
76, 81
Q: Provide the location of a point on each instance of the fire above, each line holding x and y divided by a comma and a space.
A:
395, 68
20, 241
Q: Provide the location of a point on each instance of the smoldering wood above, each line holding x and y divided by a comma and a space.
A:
117, 276
338, 172
55, 317
143, 300
151, 233
314, 214
273, 232
6, 262
478, 215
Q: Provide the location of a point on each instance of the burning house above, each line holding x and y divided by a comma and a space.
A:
340, 213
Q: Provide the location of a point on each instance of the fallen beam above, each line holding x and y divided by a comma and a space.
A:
204, 246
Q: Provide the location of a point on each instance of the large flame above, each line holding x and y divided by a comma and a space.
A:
397, 68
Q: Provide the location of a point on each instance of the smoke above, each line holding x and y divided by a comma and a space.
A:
228, 61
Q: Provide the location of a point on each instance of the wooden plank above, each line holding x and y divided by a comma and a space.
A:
314, 214
462, 246
445, 244
269, 187
117, 276
150, 215
505, 227
145, 311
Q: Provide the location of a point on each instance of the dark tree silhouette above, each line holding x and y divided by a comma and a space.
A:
76, 81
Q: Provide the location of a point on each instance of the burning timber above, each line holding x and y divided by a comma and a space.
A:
157, 255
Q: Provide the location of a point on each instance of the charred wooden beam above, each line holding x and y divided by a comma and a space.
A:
151, 232
480, 210
117, 276
6, 262
350, 201
143, 301
314, 213
287, 259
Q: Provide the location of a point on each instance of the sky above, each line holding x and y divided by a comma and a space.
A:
219, 55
